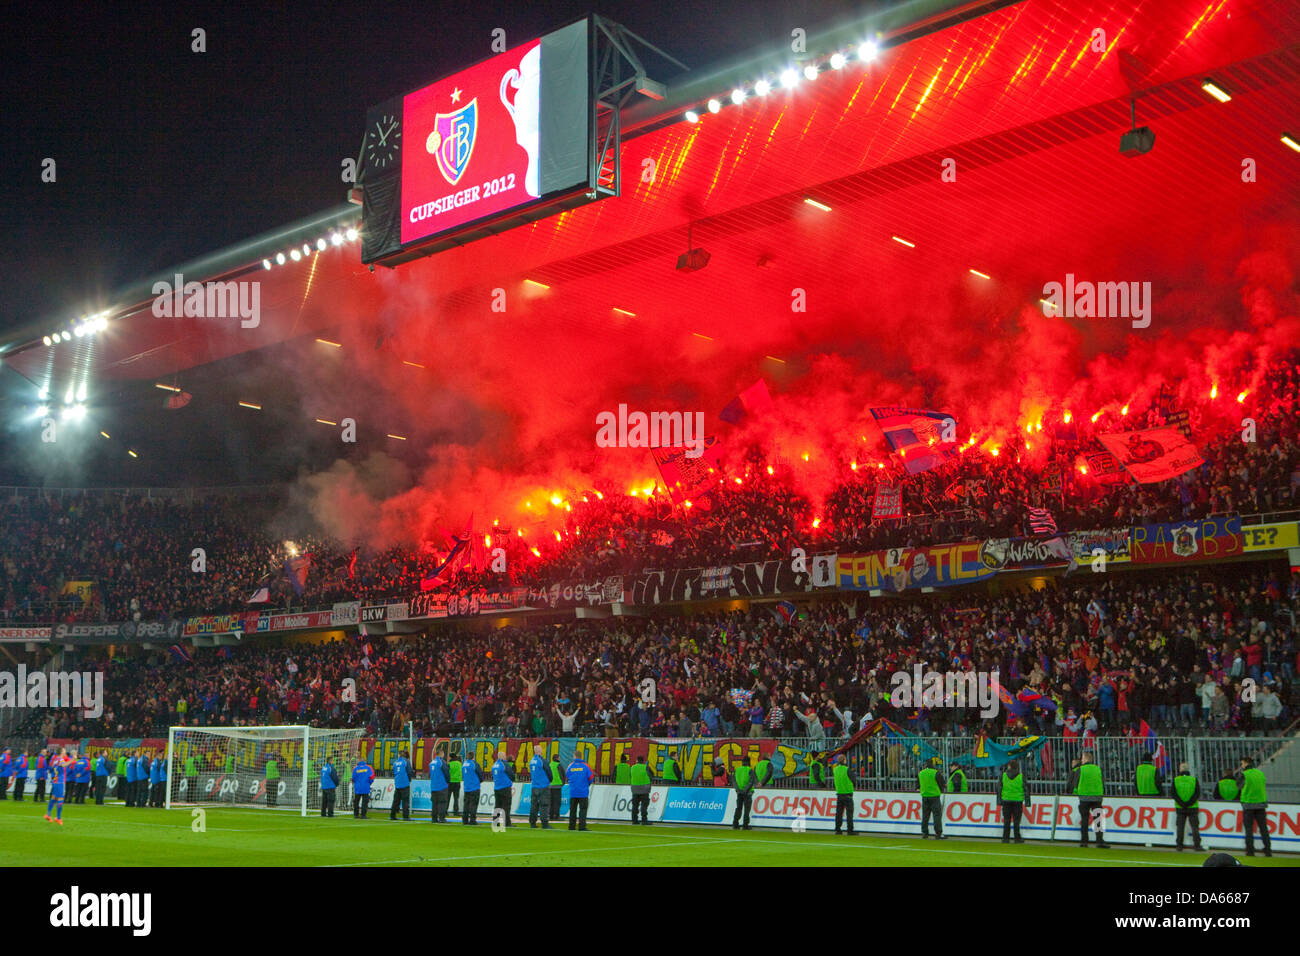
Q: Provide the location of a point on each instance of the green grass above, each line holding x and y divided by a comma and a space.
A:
113, 835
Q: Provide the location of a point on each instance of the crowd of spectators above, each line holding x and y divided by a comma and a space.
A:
137, 552
1209, 651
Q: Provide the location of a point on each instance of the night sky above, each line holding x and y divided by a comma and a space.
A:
164, 154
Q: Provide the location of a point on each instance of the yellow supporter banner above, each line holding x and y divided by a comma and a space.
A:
82, 589
1271, 537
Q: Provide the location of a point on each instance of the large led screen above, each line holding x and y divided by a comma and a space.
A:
494, 138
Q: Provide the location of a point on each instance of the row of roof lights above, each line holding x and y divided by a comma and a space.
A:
87, 325
1217, 92
789, 78
298, 253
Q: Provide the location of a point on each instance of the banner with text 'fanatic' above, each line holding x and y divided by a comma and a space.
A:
909, 569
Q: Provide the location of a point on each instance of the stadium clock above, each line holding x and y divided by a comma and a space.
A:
383, 141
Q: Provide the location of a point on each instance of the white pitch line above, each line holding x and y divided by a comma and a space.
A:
491, 856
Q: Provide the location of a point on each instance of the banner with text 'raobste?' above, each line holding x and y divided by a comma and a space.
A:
1208, 539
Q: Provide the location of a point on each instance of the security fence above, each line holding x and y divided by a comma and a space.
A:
882, 764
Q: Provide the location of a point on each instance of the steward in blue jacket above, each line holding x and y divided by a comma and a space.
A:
580, 776
101, 778
503, 782
472, 780
80, 778
362, 775
401, 789
20, 775
329, 784
439, 785
539, 803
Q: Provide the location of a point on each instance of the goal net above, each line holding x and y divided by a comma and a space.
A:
274, 767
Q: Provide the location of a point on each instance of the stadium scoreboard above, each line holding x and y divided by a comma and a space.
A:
503, 143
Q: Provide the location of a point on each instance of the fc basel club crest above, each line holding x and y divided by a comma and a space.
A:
1142, 450
1185, 541
452, 140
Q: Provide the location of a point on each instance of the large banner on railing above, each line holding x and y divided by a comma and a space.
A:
1271, 537
246, 622
1113, 543
695, 758
1205, 540
607, 590
13, 635
747, 579
125, 632
1021, 554
909, 569
122, 747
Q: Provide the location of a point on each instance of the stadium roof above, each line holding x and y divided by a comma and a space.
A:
1014, 94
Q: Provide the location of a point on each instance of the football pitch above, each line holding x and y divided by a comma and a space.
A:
114, 835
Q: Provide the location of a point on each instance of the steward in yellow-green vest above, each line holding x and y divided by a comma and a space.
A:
843, 782
928, 782
1085, 782
957, 781
1187, 790
1088, 784
816, 772
272, 782
763, 772
931, 782
1254, 786
843, 794
1254, 805
670, 770
623, 772
1013, 789
640, 775
1013, 797
1227, 787
191, 766
1147, 778
742, 776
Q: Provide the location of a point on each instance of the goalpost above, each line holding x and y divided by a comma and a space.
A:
274, 767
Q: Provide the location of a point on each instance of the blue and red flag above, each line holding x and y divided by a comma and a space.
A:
1154, 746
1033, 698
752, 401
295, 569
918, 434
455, 558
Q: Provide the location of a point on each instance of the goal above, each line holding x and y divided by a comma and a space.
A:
273, 767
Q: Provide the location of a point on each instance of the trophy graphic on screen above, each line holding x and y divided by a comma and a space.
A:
526, 82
